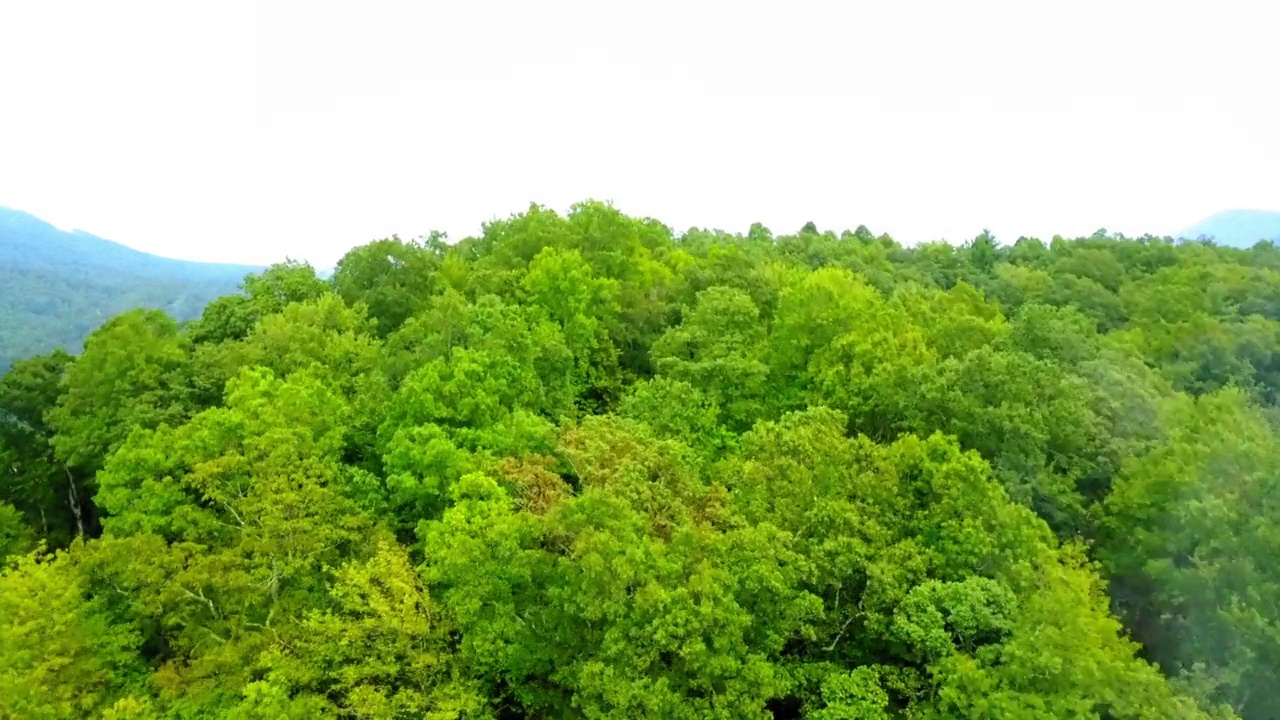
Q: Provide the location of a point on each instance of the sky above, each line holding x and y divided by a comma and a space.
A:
251, 132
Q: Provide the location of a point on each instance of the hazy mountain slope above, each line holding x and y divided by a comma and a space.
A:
56, 286
1238, 228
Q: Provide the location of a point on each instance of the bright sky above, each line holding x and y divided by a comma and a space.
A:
237, 131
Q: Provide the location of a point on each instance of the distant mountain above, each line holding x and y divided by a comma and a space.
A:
56, 287
1237, 228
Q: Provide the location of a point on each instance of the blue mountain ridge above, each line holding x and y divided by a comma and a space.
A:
1237, 228
56, 287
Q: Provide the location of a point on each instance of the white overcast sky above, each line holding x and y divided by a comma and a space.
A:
240, 131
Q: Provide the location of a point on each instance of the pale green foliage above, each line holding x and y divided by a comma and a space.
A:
62, 653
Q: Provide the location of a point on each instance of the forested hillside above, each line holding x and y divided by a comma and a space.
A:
585, 467
56, 287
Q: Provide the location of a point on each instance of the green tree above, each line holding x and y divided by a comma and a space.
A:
52, 497
718, 348
393, 278
233, 316
1190, 541
563, 287
132, 374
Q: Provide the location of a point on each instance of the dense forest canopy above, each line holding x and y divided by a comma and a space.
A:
582, 466
56, 287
